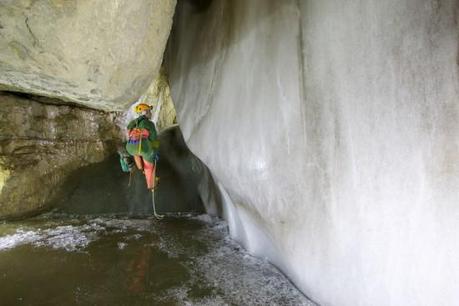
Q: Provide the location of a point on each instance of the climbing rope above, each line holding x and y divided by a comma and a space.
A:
130, 178
140, 145
157, 216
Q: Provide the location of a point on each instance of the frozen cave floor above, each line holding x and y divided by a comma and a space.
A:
189, 260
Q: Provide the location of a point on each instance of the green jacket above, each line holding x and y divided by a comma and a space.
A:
147, 147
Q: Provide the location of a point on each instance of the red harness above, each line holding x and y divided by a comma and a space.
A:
136, 135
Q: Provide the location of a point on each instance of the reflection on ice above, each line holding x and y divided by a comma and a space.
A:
179, 261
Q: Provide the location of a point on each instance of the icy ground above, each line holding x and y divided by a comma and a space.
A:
178, 261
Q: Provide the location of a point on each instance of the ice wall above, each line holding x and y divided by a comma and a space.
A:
332, 128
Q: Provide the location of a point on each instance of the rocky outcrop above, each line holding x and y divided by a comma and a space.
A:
159, 96
332, 128
66, 55
100, 54
41, 144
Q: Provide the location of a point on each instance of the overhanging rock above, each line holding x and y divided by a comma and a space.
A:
100, 54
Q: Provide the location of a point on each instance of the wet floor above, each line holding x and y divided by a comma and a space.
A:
108, 261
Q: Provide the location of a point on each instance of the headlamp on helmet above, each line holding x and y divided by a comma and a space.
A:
142, 107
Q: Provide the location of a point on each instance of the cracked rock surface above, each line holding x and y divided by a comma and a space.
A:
100, 54
40, 145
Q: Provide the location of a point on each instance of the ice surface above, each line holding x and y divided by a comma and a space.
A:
214, 263
332, 129
68, 237
236, 273
122, 245
19, 238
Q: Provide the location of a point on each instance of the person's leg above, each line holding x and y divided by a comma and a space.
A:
149, 169
138, 162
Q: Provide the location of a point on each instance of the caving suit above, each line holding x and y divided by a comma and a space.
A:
143, 145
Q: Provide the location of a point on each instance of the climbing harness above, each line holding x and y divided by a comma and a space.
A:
136, 135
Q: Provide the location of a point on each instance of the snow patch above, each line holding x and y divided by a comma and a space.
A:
122, 245
19, 238
68, 237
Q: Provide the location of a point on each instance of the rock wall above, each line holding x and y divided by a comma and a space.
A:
100, 54
332, 129
159, 96
92, 54
41, 144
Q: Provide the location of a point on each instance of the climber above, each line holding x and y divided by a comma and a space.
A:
143, 143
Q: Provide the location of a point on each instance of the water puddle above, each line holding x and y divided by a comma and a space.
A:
116, 261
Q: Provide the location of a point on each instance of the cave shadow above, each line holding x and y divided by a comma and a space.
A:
103, 189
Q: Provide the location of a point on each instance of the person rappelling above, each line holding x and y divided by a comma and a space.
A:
142, 149
143, 143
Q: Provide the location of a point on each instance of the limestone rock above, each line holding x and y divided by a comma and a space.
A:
40, 145
100, 54
159, 96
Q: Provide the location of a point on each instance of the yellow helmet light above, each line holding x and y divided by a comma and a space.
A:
139, 108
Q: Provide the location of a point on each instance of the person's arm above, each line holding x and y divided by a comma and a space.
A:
150, 126
155, 131
131, 124
129, 127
